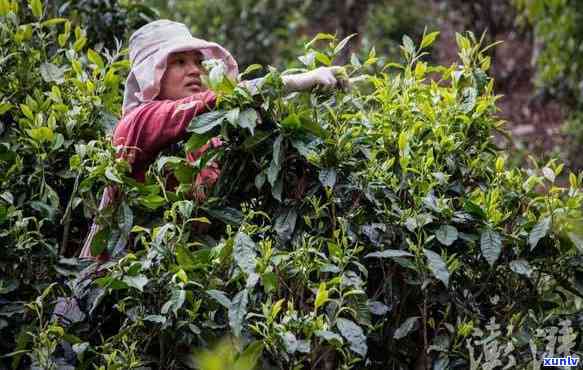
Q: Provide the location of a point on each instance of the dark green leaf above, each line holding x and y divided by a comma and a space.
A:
354, 335
327, 177
469, 98
378, 308
521, 267
237, 312
406, 327
228, 215
196, 141
490, 245
138, 282
276, 161
437, 266
446, 235
175, 302
206, 122
329, 336
99, 242
389, 253
220, 297
285, 224
252, 141
539, 231
244, 252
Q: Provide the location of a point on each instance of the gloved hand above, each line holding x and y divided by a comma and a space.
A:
325, 77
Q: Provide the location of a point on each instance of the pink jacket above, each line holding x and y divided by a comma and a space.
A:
147, 130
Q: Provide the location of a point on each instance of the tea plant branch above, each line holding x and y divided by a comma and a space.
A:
67, 216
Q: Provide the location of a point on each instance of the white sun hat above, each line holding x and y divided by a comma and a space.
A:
149, 48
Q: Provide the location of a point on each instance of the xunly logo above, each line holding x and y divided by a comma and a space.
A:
560, 361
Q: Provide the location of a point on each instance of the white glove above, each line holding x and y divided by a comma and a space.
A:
325, 77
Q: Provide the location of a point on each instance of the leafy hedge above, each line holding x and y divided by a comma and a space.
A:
376, 228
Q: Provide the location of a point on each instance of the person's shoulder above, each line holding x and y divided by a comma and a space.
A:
141, 109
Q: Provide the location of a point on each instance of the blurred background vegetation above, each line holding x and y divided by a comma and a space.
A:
537, 67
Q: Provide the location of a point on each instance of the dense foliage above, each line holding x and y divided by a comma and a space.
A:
375, 228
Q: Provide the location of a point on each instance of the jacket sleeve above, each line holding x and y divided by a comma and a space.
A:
158, 124
166, 124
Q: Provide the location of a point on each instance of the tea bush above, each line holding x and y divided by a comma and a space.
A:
54, 95
376, 228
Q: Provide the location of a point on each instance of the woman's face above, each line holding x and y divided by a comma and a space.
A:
183, 75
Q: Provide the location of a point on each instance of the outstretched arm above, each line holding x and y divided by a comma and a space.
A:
325, 77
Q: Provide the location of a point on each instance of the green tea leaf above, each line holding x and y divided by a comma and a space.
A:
52, 73
175, 302
220, 297
99, 242
112, 174
327, 177
95, 58
42, 134
37, 8
490, 245
329, 336
446, 235
343, 43
406, 327
285, 224
428, 39
138, 282
276, 162
244, 252
378, 308
389, 253
354, 335
320, 37
248, 359
321, 296
521, 267
237, 312
539, 231
408, 45
152, 201
206, 122
437, 266
248, 119
250, 69
196, 141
